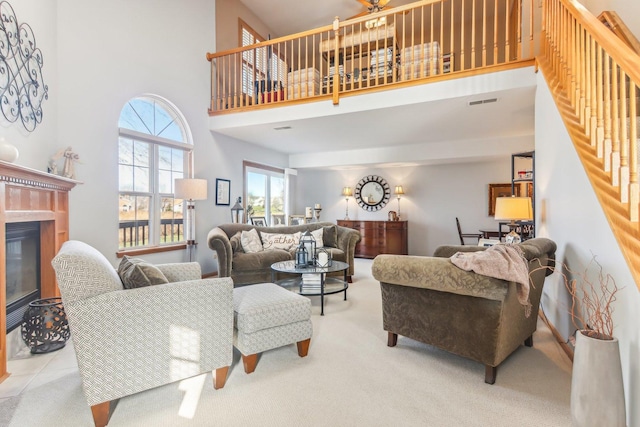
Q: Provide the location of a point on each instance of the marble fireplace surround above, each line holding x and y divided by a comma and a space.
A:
30, 195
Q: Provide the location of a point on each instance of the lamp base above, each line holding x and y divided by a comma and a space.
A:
512, 238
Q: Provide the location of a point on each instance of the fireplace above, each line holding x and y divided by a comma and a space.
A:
29, 198
22, 247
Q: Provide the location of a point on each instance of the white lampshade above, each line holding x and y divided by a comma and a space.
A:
346, 192
513, 209
190, 189
398, 190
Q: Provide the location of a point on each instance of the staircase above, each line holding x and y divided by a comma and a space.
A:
594, 77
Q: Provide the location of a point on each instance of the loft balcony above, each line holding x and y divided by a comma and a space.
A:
335, 87
419, 43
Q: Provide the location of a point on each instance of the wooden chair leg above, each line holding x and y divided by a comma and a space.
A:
101, 413
220, 377
303, 347
529, 341
490, 373
250, 362
392, 339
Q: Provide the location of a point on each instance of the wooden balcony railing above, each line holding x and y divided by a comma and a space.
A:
136, 232
594, 77
416, 43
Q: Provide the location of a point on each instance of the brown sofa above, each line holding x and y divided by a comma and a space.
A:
247, 268
431, 300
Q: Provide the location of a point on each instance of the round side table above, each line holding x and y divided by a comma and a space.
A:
44, 325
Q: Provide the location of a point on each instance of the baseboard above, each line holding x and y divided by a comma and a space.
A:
566, 347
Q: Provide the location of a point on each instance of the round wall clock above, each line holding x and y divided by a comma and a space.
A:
372, 193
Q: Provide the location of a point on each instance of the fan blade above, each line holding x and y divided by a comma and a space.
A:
365, 3
383, 3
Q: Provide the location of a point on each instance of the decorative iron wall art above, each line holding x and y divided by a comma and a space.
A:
22, 89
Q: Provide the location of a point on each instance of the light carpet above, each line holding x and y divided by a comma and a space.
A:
349, 378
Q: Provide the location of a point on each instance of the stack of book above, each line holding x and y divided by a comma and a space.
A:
311, 281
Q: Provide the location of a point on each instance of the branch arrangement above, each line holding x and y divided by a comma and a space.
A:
591, 299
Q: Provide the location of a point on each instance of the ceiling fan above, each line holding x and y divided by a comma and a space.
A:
372, 6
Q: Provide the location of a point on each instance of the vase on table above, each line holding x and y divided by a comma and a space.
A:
8, 152
597, 393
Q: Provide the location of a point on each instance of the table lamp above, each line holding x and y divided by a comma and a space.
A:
190, 189
346, 192
513, 209
398, 192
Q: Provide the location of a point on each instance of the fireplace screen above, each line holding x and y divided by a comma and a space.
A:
23, 269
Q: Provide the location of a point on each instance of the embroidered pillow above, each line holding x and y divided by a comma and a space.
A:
137, 273
318, 234
279, 241
251, 241
330, 236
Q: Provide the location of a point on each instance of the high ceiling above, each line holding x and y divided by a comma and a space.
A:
303, 15
399, 129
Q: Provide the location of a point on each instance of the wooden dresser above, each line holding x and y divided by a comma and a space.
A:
379, 237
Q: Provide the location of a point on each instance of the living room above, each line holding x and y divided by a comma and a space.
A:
98, 55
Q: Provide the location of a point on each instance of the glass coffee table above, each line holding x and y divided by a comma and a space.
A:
312, 281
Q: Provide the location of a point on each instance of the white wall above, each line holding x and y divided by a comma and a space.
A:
36, 147
572, 217
435, 196
110, 52
628, 10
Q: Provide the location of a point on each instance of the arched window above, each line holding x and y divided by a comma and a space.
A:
154, 148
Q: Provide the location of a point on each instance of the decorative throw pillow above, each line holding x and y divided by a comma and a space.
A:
251, 241
330, 236
137, 273
236, 244
279, 241
318, 234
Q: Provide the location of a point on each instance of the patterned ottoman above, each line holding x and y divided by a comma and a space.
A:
267, 316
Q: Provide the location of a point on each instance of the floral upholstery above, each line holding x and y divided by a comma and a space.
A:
248, 268
130, 340
430, 300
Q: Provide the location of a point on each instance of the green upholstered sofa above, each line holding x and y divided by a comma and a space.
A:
431, 300
247, 268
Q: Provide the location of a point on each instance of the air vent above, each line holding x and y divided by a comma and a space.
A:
483, 101
282, 128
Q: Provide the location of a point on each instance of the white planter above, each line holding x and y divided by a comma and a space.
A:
597, 393
8, 152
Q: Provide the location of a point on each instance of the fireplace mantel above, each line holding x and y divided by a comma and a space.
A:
32, 195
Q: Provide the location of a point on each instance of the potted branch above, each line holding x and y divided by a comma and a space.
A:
597, 392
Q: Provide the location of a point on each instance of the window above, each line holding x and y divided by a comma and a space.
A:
154, 148
264, 192
262, 64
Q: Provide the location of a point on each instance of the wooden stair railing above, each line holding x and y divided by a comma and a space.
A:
594, 78
417, 43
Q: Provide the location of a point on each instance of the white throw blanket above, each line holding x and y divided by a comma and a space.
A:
505, 262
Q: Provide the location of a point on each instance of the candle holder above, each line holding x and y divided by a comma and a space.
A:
323, 258
44, 325
316, 213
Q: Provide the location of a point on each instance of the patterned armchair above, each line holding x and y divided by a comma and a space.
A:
130, 340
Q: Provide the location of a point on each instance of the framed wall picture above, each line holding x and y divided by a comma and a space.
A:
223, 191
260, 221
500, 190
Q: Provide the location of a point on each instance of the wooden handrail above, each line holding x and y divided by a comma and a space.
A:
620, 52
613, 22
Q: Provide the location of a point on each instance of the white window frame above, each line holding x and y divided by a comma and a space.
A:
155, 208
268, 171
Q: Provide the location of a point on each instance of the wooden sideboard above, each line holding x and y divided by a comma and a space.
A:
379, 237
